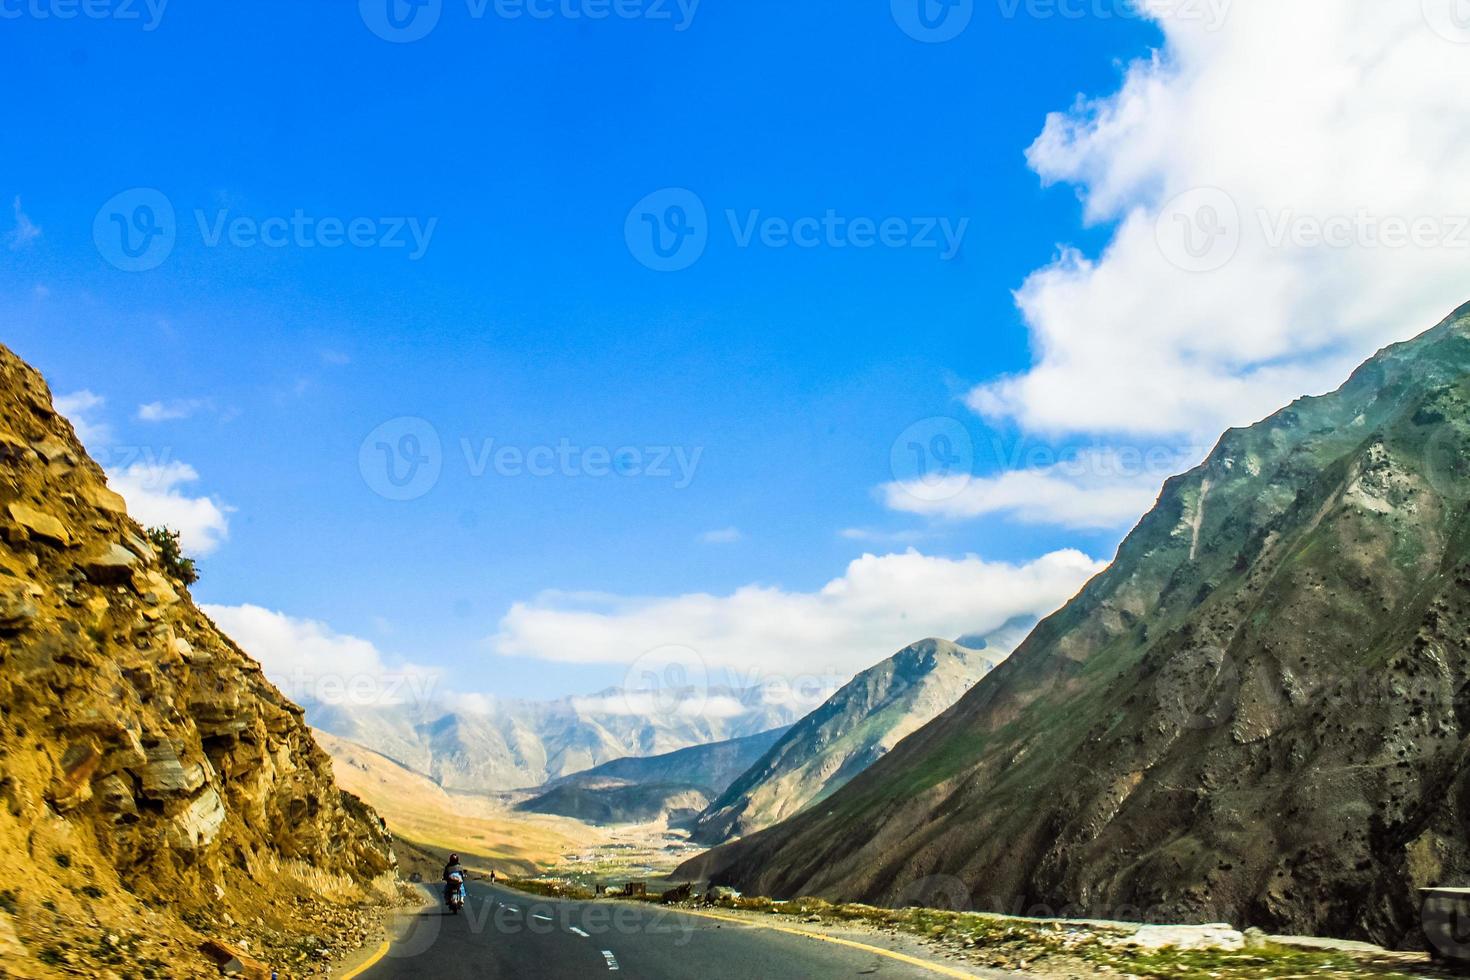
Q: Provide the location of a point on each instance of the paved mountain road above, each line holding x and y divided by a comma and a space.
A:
505, 933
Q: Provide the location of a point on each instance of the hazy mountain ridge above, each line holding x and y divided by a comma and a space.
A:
676, 785
1256, 714
849, 732
526, 744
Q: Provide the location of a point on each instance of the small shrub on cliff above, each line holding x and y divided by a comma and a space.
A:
174, 563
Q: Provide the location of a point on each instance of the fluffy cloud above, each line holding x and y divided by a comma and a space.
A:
154, 498
1101, 488
879, 605
169, 411
1290, 193
307, 660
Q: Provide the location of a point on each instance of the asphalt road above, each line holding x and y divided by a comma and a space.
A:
504, 933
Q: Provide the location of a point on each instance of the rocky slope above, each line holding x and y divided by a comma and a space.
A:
854, 728
155, 790
1259, 713
675, 786
524, 744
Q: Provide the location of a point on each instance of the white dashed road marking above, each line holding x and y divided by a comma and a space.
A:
543, 918
579, 932
612, 961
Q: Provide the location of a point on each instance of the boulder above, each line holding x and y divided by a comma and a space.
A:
124, 752
115, 796
1217, 936
16, 609
54, 451
233, 962
199, 823
40, 524
158, 590
164, 775
113, 566
73, 785
104, 499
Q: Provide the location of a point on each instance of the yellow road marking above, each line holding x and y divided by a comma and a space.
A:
358, 971
940, 968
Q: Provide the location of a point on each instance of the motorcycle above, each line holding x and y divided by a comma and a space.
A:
454, 894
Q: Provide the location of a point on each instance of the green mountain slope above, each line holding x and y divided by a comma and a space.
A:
850, 731
1259, 713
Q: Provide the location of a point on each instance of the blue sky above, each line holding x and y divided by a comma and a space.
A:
517, 148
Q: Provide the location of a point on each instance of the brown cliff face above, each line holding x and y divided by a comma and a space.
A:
155, 789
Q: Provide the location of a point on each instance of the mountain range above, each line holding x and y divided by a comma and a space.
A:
854, 728
512, 744
676, 785
1257, 714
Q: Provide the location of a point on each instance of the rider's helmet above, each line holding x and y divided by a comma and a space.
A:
454, 859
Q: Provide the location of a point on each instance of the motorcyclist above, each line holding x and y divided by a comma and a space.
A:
454, 876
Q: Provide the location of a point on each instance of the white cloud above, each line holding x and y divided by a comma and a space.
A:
1319, 114
879, 605
872, 536
153, 496
80, 408
725, 535
1098, 488
25, 230
169, 411
306, 659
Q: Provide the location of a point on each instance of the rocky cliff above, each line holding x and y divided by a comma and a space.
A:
854, 728
155, 790
1259, 713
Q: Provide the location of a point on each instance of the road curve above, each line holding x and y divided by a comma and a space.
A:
505, 933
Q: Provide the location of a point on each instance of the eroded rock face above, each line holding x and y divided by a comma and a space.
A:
143, 756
